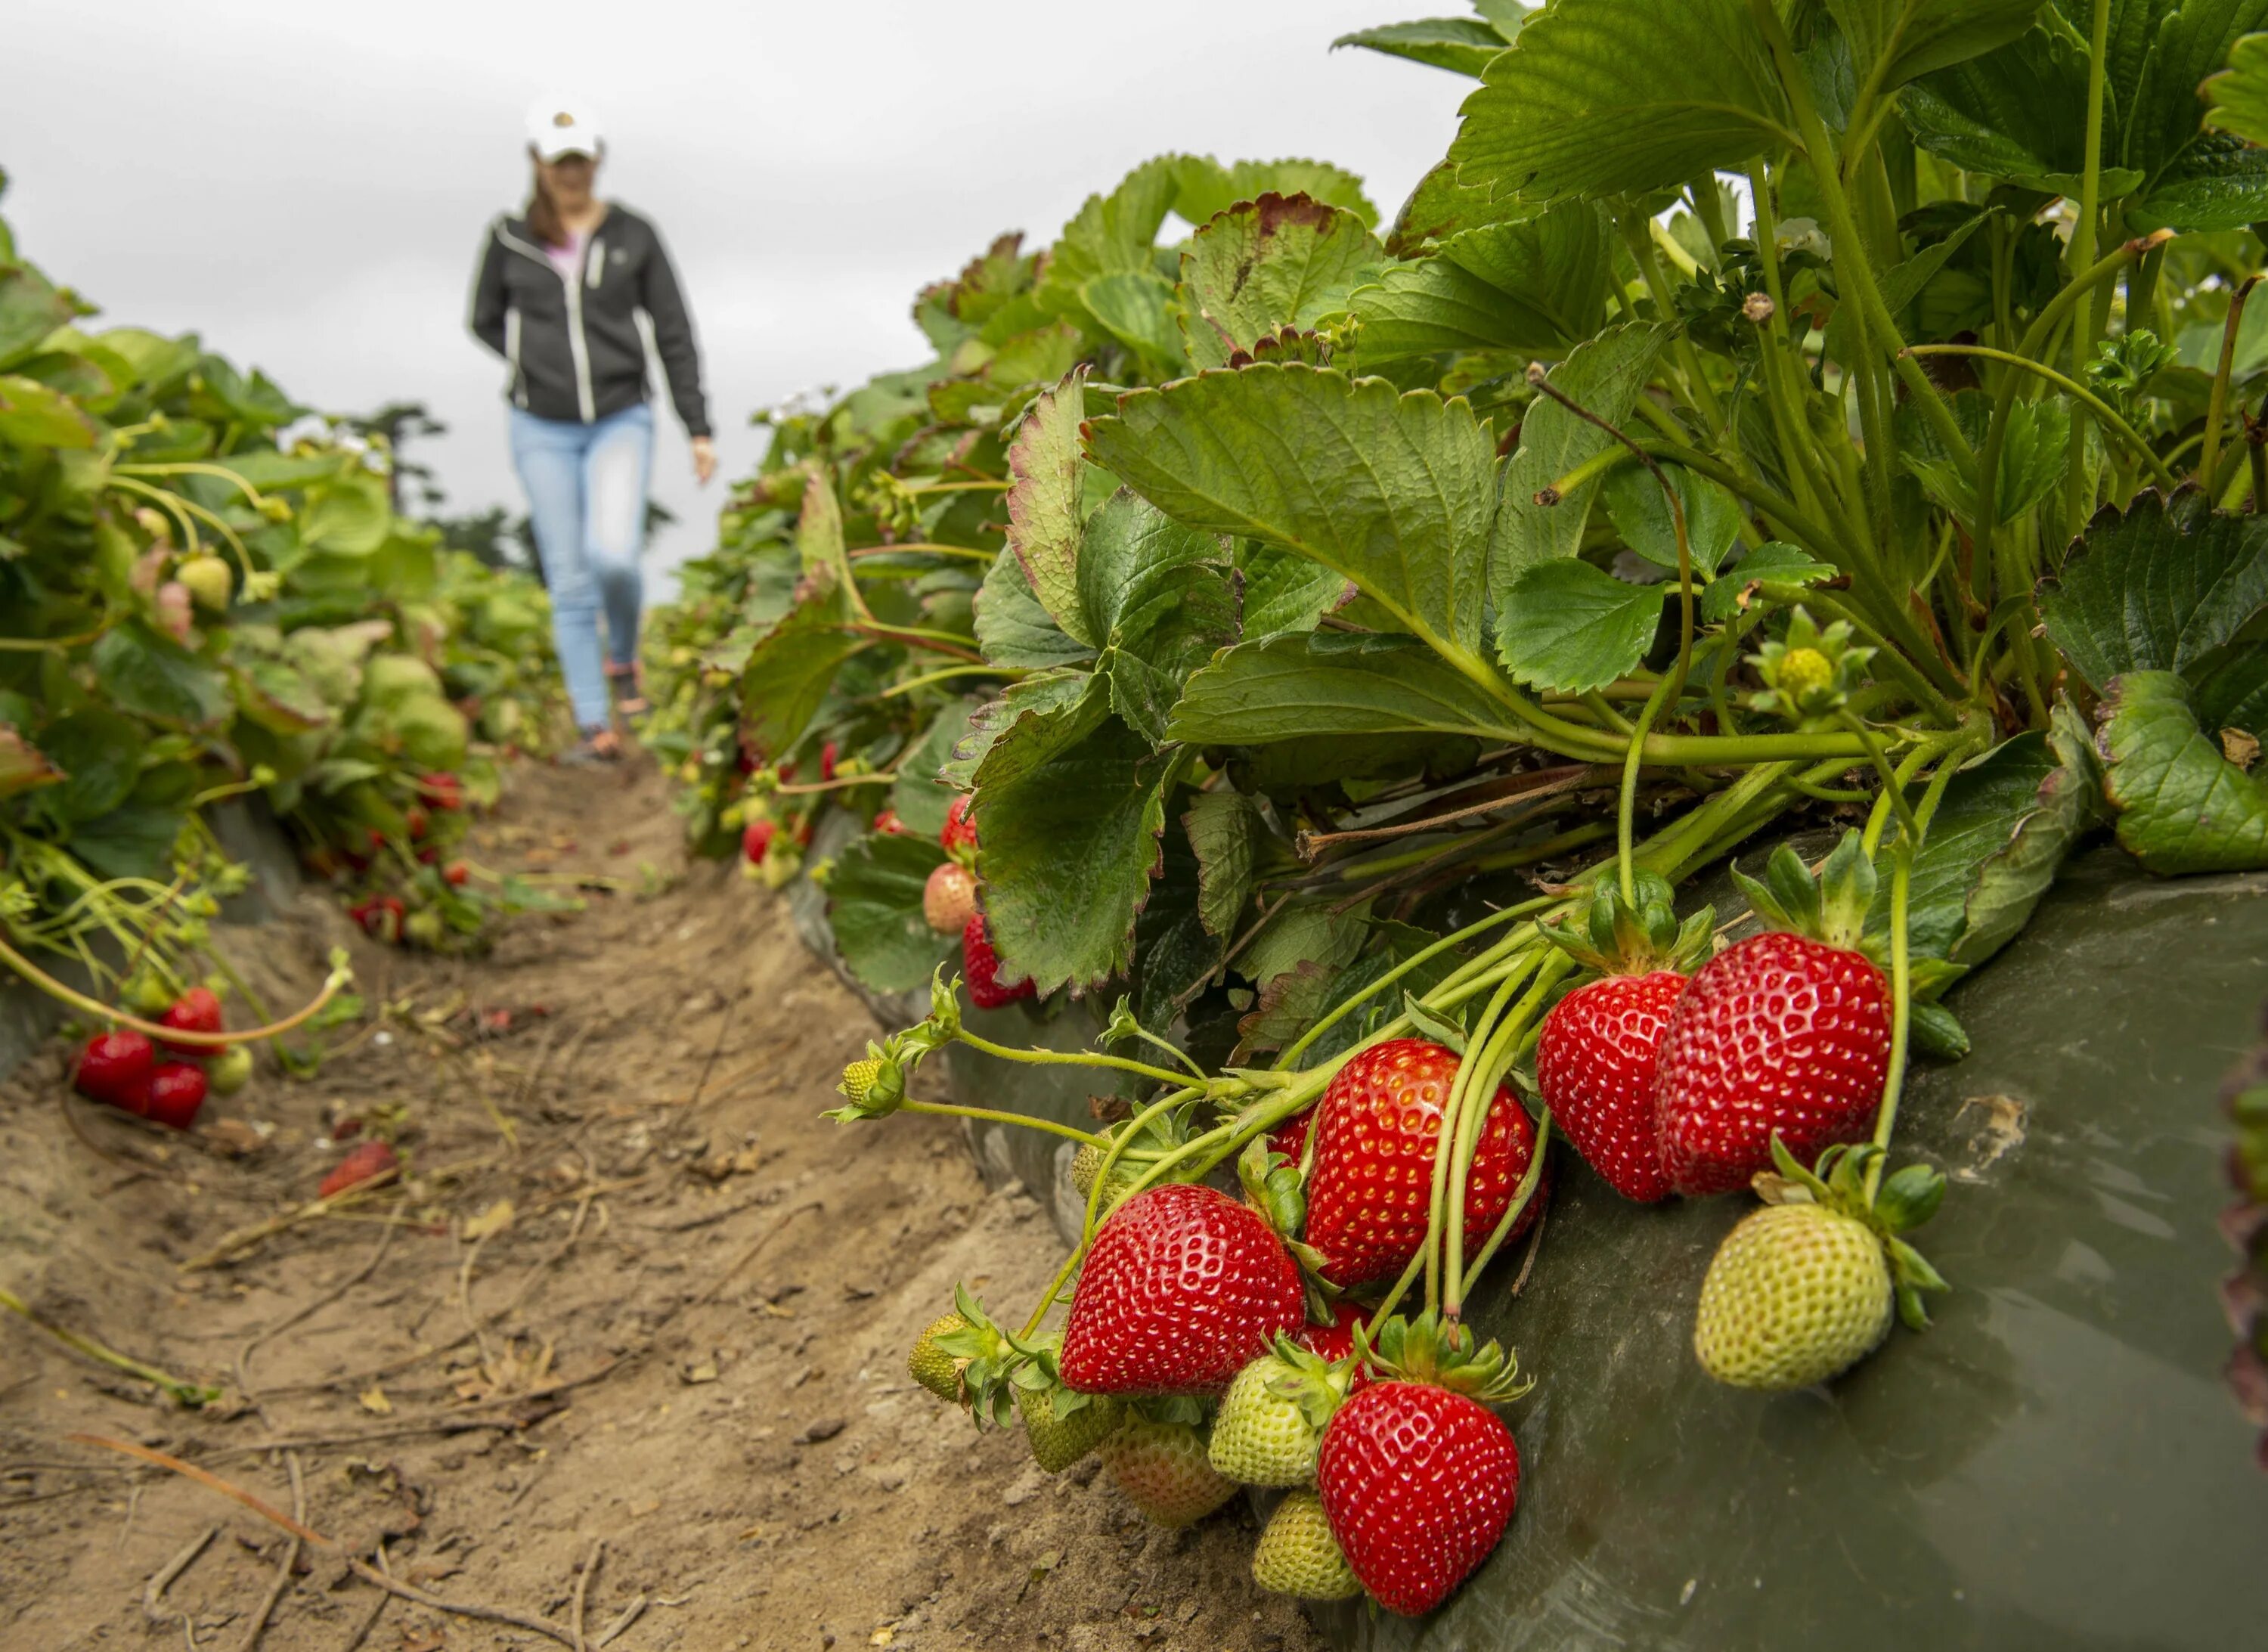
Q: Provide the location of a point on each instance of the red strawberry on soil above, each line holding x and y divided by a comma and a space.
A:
756, 841
1371, 1185
114, 1068
1594, 1057
367, 1160
1788, 1031
981, 965
196, 1010
177, 1090
1183, 1287
1417, 1477
960, 831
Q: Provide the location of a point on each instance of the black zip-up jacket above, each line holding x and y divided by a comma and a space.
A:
573, 346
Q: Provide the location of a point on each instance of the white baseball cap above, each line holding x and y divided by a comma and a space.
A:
560, 125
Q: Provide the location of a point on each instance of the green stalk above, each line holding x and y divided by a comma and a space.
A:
1445, 1140
1848, 241
2082, 248
1627, 809
1503, 1049
1292, 1053
2077, 392
1056, 1058
986, 1115
189, 1394
1522, 1197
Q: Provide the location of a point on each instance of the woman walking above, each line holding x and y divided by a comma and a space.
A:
557, 295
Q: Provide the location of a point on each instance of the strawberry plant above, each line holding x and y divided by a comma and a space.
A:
205, 594
1826, 438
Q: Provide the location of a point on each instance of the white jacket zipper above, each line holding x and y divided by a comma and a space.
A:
577, 346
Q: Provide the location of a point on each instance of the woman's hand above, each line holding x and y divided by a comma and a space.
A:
704, 459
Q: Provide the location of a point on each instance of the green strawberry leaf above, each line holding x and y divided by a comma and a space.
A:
790, 671
1779, 563
2156, 588
1044, 507
1891, 41
919, 796
1604, 376
1224, 829
1395, 493
1537, 285
874, 906
1262, 265
2182, 805
1570, 627
1073, 806
1337, 683
1463, 46
1640, 512
1203, 188
1620, 96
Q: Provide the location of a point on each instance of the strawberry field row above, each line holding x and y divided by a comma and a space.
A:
1338, 652
207, 594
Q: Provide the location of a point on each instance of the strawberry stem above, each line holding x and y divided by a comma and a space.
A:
1504, 1049
1521, 1197
189, 1394
1057, 1058
332, 985
947, 1110
1901, 1005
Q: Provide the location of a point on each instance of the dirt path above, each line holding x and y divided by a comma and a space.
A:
684, 1340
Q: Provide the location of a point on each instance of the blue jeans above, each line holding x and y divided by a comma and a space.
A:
586, 498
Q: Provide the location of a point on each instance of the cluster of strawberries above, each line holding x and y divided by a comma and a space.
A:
949, 903
122, 1070
1670, 1082
1189, 1362
388, 917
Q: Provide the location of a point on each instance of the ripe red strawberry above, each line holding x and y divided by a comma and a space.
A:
949, 897
889, 825
1594, 1057
442, 789
367, 1160
196, 1010
116, 1067
1371, 1183
1290, 1138
1183, 1287
381, 917
420, 822
1785, 1032
981, 965
457, 872
177, 1089
960, 831
1416, 1483
827, 761
756, 840
1594, 1071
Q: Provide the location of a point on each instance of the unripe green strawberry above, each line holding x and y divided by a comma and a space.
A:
230, 1070
931, 1366
209, 581
1161, 1468
1298, 1556
1262, 1435
1796, 1293
1057, 1441
1803, 672
858, 1078
1084, 1163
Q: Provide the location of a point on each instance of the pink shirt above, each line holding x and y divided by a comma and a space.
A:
567, 259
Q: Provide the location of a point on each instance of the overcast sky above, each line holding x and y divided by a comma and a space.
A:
306, 184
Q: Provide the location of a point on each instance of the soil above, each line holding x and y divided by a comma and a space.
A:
627, 1345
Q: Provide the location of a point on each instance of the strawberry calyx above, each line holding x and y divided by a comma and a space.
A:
874, 1085
1830, 907
1442, 1353
1617, 936
1318, 1386
1904, 1199
1034, 1369
986, 1356
1811, 672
